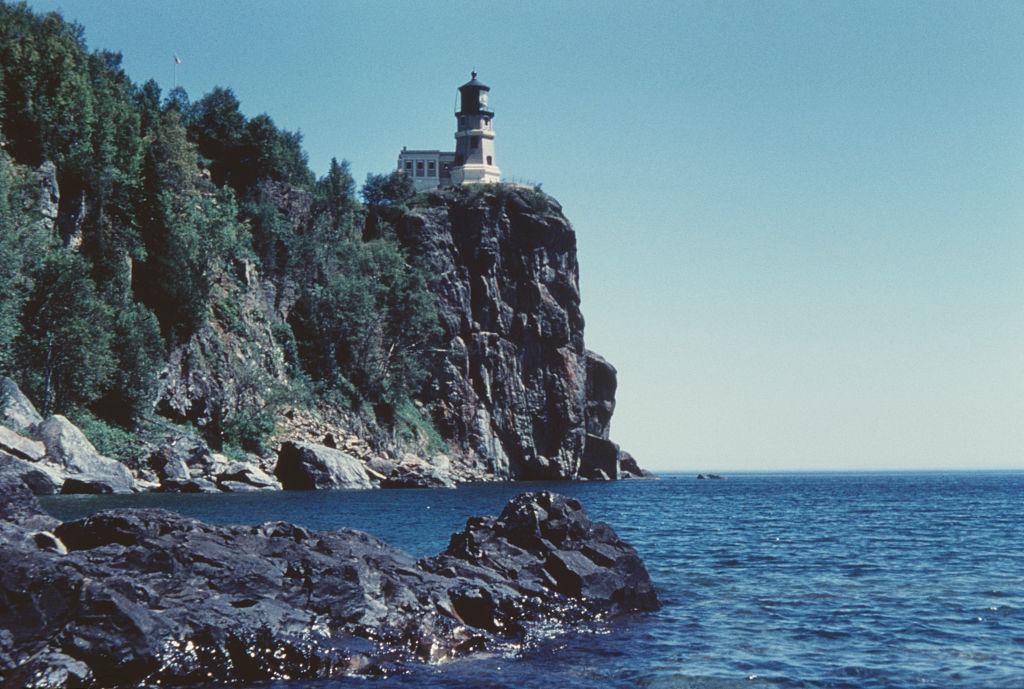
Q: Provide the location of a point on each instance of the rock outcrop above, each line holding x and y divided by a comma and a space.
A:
147, 597
304, 466
19, 413
85, 469
510, 392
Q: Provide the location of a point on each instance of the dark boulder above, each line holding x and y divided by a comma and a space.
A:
42, 478
150, 598
304, 466
600, 459
628, 467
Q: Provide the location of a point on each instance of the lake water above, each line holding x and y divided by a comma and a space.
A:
767, 580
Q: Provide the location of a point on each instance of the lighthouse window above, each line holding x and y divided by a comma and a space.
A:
487, 121
490, 160
474, 142
408, 166
462, 122
419, 168
431, 169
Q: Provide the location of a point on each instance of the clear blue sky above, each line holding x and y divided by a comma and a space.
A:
800, 224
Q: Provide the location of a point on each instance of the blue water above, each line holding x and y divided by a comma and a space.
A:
785, 580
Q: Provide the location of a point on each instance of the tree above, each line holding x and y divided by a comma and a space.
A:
394, 189
25, 241
217, 125
64, 348
368, 322
189, 227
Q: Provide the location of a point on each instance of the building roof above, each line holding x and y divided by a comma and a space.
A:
475, 82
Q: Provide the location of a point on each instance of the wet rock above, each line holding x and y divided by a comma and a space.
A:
87, 470
147, 597
304, 466
18, 411
711, 477
19, 506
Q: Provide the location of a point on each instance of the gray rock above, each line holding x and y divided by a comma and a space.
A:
246, 473
169, 464
509, 390
304, 466
88, 470
20, 446
192, 485
47, 195
239, 487
18, 506
18, 411
42, 477
602, 382
414, 472
628, 468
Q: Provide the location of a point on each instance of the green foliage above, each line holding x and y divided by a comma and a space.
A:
395, 189
24, 243
369, 320
109, 439
64, 348
161, 198
415, 427
138, 350
189, 227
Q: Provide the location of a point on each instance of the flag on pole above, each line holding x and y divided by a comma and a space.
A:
177, 60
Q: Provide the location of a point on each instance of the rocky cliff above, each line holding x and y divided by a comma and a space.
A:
514, 391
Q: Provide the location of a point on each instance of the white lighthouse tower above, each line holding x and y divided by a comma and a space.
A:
472, 162
474, 138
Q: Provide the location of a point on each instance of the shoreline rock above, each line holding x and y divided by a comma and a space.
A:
151, 597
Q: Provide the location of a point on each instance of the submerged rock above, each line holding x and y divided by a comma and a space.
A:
147, 597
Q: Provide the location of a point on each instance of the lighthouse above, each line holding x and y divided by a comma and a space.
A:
473, 161
474, 138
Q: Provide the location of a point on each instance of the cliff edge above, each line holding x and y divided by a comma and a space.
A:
514, 390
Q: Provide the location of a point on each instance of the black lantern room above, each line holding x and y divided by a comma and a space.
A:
474, 98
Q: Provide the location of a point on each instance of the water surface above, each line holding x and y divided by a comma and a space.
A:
768, 580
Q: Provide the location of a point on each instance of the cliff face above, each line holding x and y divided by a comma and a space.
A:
510, 389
